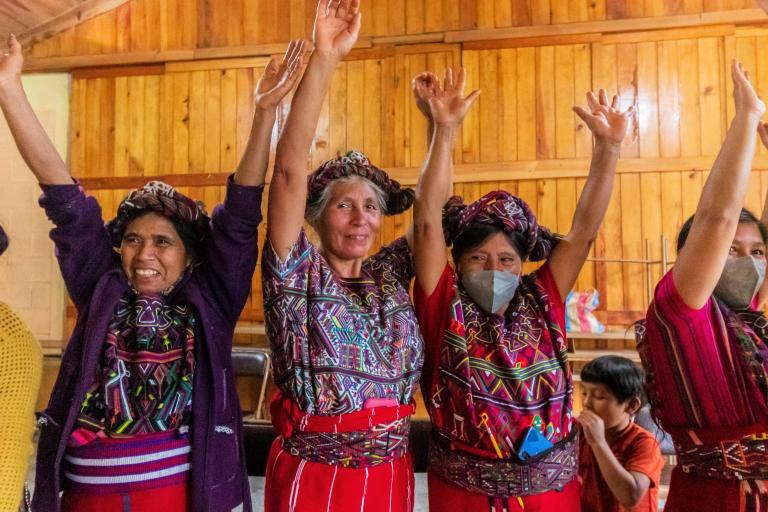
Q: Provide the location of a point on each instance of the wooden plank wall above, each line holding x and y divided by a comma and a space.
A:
190, 120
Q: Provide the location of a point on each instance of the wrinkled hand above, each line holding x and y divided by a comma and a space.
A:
337, 25
606, 122
279, 78
744, 95
11, 62
424, 86
592, 427
447, 103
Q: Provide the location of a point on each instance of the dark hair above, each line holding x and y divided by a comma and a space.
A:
186, 232
3, 240
478, 232
745, 217
619, 374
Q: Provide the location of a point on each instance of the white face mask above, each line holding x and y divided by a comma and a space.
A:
740, 281
490, 289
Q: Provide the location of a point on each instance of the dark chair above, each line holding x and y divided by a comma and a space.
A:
253, 362
258, 432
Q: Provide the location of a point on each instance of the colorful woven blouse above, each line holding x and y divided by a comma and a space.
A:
488, 378
338, 342
705, 367
144, 384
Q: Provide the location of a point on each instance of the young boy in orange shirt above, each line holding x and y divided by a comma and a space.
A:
620, 462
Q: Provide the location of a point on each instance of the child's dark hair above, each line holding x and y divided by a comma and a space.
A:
619, 374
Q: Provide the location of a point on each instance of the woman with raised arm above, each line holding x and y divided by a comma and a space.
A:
145, 402
347, 352
704, 345
496, 378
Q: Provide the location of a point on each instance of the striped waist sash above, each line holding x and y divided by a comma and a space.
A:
119, 465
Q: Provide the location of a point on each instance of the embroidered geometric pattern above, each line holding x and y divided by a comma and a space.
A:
504, 478
356, 449
145, 384
739, 459
338, 342
498, 376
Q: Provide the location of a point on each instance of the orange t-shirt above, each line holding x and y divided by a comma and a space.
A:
636, 450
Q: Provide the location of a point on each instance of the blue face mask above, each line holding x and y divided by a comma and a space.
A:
490, 289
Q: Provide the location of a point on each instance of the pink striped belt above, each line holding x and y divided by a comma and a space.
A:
121, 465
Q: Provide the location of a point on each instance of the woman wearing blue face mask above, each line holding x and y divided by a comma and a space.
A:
704, 343
496, 379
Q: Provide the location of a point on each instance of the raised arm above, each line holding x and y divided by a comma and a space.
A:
609, 126
700, 262
424, 85
337, 25
762, 130
277, 81
35, 147
448, 107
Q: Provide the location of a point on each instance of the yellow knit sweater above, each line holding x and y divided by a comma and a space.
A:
21, 367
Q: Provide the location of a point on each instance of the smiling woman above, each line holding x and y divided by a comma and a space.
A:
346, 347
147, 373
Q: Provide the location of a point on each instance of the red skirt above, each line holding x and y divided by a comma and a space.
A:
444, 496
689, 493
165, 499
297, 485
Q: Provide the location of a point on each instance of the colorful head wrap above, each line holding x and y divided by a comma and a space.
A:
354, 163
160, 197
503, 210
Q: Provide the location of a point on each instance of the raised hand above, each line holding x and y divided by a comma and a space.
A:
11, 62
606, 122
447, 103
337, 25
744, 95
279, 78
425, 85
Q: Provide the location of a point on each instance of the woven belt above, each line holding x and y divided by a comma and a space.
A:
356, 449
119, 465
740, 459
552, 470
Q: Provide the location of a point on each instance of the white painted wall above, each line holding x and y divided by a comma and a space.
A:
30, 281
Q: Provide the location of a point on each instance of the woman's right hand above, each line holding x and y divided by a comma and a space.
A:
447, 104
744, 95
11, 62
337, 25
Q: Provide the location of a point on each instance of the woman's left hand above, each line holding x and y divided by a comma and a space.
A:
279, 78
606, 122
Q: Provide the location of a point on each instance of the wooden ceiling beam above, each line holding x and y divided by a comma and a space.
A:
68, 19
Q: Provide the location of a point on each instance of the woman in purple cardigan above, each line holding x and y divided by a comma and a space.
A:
145, 402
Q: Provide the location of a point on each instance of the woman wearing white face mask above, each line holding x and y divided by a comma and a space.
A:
496, 378
704, 345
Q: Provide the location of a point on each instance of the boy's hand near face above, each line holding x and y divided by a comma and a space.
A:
593, 428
